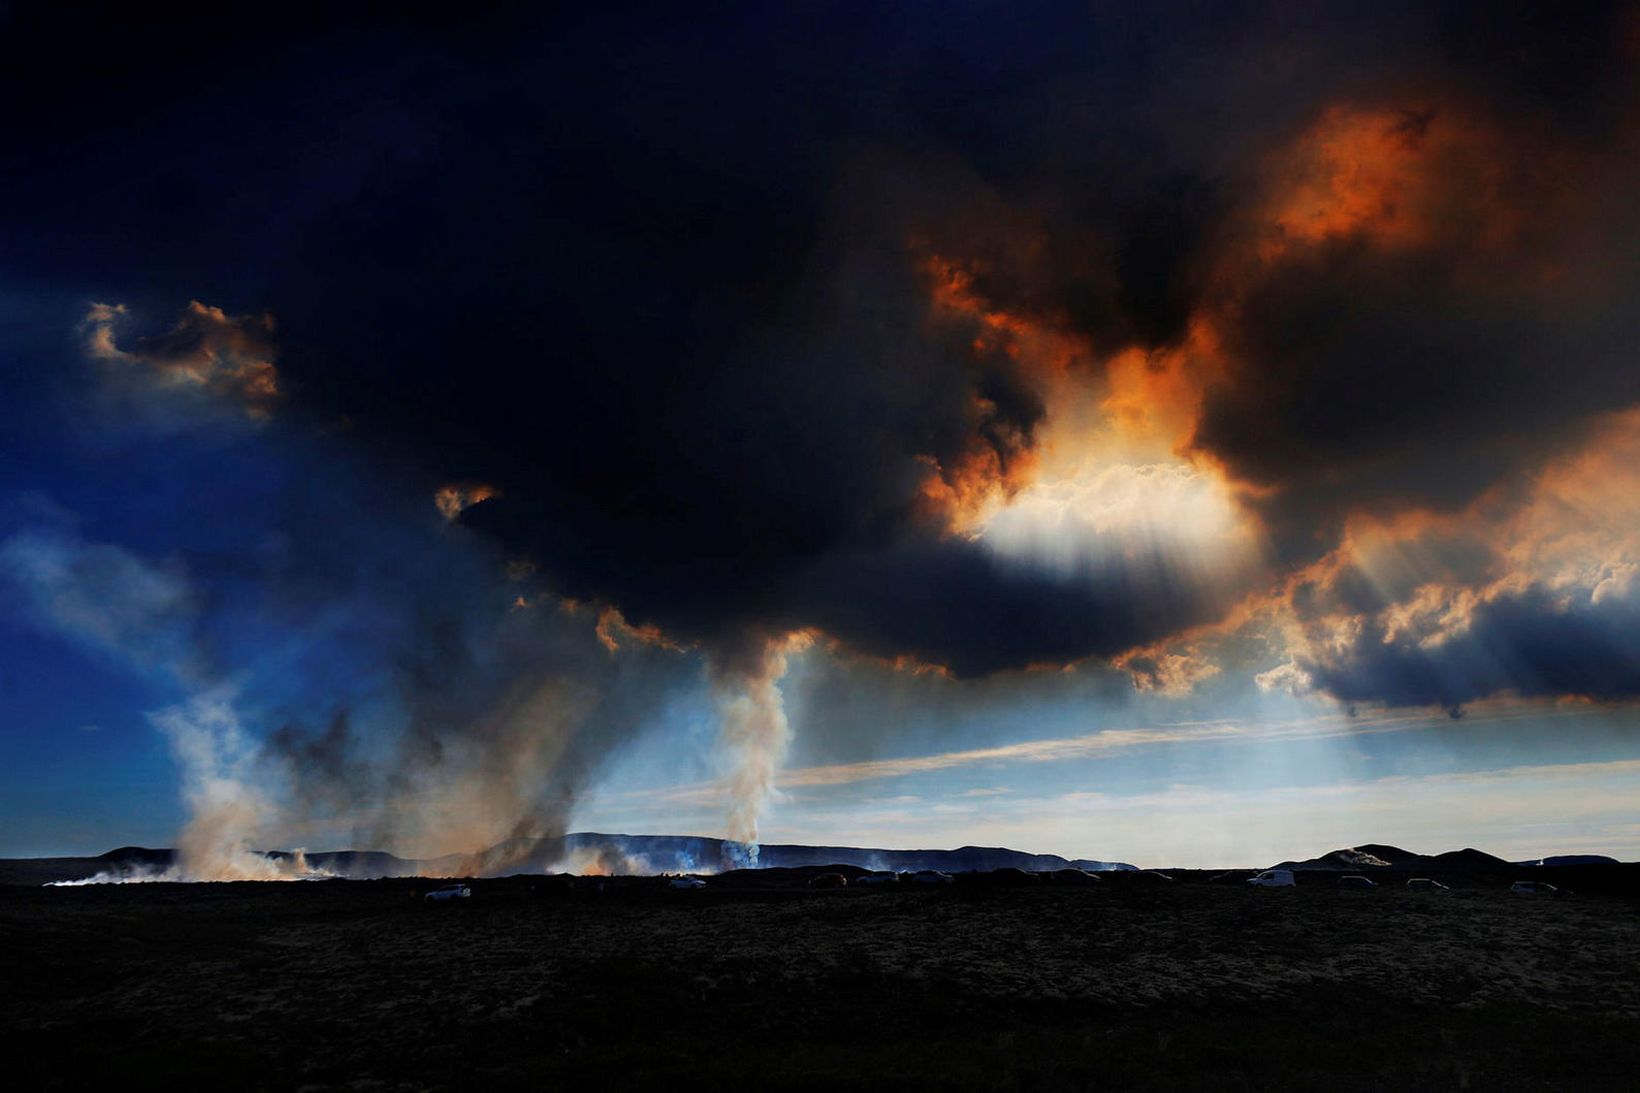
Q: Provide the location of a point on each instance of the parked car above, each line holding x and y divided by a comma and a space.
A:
930, 876
1355, 881
687, 884
871, 880
448, 892
1424, 884
1534, 888
1273, 878
829, 880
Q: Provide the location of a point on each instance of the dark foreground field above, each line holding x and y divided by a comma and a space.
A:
1129, 983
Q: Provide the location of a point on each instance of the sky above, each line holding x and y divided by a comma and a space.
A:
1185, 434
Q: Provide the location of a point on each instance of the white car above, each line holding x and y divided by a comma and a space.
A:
871, 880
449, 891
930, 876
1273, 878
1533, 888
687, 884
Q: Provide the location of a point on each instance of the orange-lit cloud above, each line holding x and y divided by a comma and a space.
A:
904, 663
1171, 674
1404, 176
1567, 544
227, 356
1357, 172
1154, 396
1038, 346
1106, 481
963, 491
1001, 456
1427, 173
1134, 405
1395, 178
613, 629
457, 497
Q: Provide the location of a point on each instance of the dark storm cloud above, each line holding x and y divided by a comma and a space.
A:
1531, 644
1377, 384
955, 605
659, 277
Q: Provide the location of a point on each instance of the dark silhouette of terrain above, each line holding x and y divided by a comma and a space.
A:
758, 981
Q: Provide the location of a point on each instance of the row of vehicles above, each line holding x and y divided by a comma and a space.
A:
1283, 878
838, 880
1269, 878
929, 877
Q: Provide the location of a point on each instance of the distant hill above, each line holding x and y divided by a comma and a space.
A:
1394, 855
1370, 857
359, 863
591, 851
138, 857
1468, 859
579, 852
1572, 859
1349, 859
597, 852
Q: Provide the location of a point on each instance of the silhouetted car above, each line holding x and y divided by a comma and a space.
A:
1073, 876
687, 884
872, 880
1355, 882
829, 880
1424, 884
929, 876
449, 892
1535, 888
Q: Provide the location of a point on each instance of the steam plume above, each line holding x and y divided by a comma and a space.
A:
755, 730
146, 614
220, 768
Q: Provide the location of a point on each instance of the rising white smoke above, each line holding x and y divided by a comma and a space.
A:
497, 724
603, 861
144, 613
227, 803
756, 732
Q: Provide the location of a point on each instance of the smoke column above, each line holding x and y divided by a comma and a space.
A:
755, 730
227, 809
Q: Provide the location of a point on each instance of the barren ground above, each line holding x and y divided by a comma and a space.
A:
363, 985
